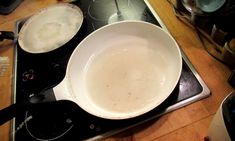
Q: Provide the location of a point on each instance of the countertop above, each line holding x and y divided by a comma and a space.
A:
188, 123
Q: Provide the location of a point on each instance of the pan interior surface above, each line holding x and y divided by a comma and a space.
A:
126, 76
50, 28
124, 70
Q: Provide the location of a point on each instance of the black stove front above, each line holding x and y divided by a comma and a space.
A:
64, 120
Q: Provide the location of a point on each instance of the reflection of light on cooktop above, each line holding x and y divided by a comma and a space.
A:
108, 12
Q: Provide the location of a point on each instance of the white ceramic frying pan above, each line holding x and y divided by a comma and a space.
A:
122, 70
48, 29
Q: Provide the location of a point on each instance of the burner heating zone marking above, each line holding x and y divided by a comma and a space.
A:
69, 121
21, 125
28, 75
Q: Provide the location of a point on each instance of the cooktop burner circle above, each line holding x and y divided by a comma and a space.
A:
47, 126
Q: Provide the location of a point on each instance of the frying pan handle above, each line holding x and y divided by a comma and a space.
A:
11, 111
34, 103
6, 35
14, 110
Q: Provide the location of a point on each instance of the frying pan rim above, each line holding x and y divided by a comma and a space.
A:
126, 116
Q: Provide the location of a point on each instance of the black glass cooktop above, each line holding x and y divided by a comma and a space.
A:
64, 120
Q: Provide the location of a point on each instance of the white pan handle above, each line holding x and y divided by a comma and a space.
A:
62, 92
